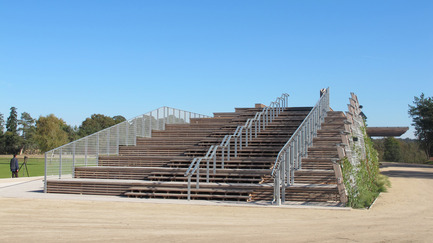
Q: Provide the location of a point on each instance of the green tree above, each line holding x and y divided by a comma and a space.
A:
119, 119
50, 132
12, 139
392, 150
422, 117
72, 132
27, 128
2, 138
97, 122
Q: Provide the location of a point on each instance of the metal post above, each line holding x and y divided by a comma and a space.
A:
283, 186
228, 151
286, 157
207, 170
246, 136
85, 150
73, 160
189, 187
150, 124
157, 119
127, 133
214, 165
198, 174
134, 122
117, 139
236, 146
97, 148
143, 126
45, 177
277, 186
292, 166
108, 141
164, 118
60, 164
222, 157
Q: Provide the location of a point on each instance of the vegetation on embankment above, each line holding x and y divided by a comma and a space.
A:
363, 181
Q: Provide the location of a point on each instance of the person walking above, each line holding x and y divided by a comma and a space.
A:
14, 166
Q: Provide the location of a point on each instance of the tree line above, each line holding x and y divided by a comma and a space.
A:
29, 135
400, 150
408, 150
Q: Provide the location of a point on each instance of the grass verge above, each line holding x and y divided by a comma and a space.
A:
36, 167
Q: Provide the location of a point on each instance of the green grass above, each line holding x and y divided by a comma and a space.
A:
36, 167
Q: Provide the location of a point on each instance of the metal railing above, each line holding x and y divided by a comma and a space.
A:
290, 156
238, 139
86, 151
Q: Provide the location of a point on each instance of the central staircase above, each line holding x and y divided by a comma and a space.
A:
155, 167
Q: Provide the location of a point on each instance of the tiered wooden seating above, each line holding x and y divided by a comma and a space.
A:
155, 167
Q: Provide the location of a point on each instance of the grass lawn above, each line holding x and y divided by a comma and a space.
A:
36, 167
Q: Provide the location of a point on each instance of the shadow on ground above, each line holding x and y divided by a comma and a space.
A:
406, 173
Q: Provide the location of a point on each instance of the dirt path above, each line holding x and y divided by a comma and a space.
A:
404, 214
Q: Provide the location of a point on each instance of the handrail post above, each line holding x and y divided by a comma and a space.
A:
222, 157
214, 165
283, 186
292, 165
198, 174
236, 146
207, 170
277, 186
246, 137
228, 149
189, 187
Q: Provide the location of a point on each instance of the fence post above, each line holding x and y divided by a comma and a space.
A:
108, 141
135, 132
150, 124
117, 139
85, 150
97, 148
60, 164
127, 133
73, 160
46, 171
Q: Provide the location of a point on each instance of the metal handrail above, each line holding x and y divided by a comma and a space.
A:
290, 156
86, 151
268, 114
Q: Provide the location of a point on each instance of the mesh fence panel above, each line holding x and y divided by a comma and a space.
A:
86, 151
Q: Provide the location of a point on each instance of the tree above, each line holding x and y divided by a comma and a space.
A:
392, 150
72, 132
50, 132
12, 139
422, 117
2, 138
27, 128
97, 122
12, 122
119, 119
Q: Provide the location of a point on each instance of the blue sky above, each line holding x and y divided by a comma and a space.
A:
77, 58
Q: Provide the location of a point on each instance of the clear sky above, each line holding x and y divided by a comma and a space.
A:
76, 58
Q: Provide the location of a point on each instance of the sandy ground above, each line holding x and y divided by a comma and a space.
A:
403, 214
